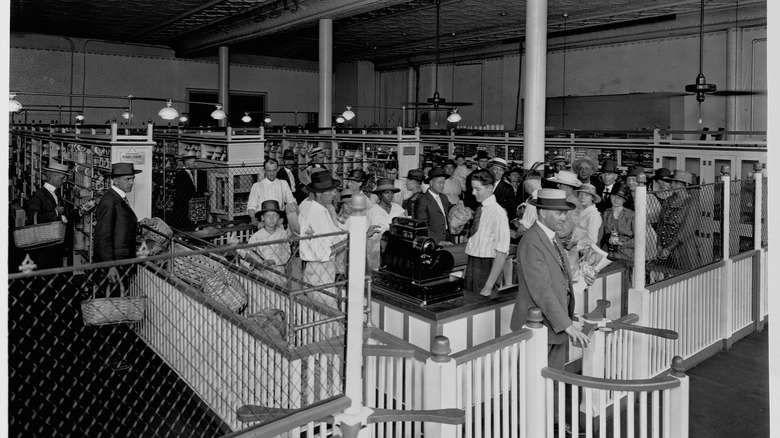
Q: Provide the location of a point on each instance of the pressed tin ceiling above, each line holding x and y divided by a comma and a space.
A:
388, 32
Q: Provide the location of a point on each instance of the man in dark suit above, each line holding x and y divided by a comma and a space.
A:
433, 207
47, 206
469, 200
609, 176
505, 194
288, 172
116, 224
544, 280
187, 187
586, 168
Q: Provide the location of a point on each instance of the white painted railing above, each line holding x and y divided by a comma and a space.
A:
742, 287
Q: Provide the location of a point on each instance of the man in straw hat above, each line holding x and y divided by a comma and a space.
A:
46, 205
543, 277
186, 184
433, 207
116, 224
316, 160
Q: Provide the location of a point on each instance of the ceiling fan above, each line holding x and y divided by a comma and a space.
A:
701, 88
437, 101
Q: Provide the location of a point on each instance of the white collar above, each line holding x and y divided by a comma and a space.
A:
489, 201
550, 233
50, 188
120, 192
435, 195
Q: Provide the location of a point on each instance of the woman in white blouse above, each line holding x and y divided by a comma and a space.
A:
588, 224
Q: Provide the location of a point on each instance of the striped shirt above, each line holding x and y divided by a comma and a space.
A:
492, 233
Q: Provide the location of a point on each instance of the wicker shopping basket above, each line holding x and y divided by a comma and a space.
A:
40, 235
226, 289
102, 311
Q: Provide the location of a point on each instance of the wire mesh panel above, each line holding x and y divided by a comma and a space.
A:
190, 343
687, 228
743, 194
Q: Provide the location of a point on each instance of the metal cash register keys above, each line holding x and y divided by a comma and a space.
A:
414, 268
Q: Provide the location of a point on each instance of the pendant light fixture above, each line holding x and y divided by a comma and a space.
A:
340, 120
127, 115
218, 114
454, 117
13, 105
246, 118
168, 112
80, 117
348, 114
184, 118
267, 120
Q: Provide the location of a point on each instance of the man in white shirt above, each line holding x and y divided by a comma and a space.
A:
269, 188
488, 244
452, 188
461, 172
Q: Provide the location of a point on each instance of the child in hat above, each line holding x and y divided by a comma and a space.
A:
273, 256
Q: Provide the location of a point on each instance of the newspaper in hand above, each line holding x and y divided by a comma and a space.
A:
592, 259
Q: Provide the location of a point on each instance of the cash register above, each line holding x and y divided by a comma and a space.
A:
413, 268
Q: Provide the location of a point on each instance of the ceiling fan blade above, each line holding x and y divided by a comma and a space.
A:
736, 93
460, 103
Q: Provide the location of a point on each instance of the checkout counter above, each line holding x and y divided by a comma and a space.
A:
416, 294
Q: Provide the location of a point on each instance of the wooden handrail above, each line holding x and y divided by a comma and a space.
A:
654, 384
393, 342
304, 416
492, 345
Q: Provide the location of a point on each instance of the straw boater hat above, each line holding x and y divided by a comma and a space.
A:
593, 164
435, 173
566, 177
496, 161
346, 195
559, 158
385, 184
270, 205
188, 155
416, 174
591, 190
551, 199
322, 182
122, 169
610, 166
681, 176
315, 151
55, 166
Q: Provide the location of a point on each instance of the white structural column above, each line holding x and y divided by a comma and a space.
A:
224, 82
733, 44
326, 73
535, 90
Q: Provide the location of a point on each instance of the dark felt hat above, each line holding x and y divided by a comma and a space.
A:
621, 189
385, 184
610, 166
123, 169
482, 155
635, 170
288, 154
434, 173
358, 175
661, 173
551, 199
270, 205
681, 176
322, 182
417, 174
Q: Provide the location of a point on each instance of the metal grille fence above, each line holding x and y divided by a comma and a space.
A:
743, 195
688, 230
195, 343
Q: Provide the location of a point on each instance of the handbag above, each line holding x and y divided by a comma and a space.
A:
40, 235
102, 311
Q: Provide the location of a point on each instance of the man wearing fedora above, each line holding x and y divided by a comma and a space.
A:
482, 158
679, 246
414, 188
433, 207
316, 252
355, 182
543, 277
116, 224
316, 160
609, 176
46, 205
187, 187
288, 172
568, 182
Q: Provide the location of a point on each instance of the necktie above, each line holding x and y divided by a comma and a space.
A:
564, 260
475, 224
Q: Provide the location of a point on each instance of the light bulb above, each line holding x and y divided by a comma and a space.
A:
348, 114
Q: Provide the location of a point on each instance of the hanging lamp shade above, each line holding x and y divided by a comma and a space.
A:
267, 119
340, 120
246, 118
348, 114
13, 105
168, 112
454, 117
80, 117
218, 114
183, 117
127, 115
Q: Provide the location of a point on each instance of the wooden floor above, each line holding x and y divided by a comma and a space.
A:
729, 392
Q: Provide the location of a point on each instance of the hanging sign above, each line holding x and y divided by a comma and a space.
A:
137, 158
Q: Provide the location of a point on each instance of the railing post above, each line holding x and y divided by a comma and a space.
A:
638, 295
758, 206
726, 281
441, 386
356, 415
758, 203
679, 400
535, 387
